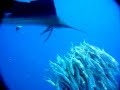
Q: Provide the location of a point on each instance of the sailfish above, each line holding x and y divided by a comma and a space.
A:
35, 12
56, 22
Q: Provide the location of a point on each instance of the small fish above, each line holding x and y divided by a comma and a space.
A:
18, 27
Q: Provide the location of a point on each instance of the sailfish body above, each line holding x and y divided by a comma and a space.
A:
55, 22
21, 16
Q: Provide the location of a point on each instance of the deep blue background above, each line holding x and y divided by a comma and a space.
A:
24, 57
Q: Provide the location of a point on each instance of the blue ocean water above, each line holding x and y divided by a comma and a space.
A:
24, 57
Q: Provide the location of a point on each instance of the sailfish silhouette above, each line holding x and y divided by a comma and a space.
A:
56, 23
36, 12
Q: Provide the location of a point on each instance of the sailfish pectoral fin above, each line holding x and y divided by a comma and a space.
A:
47, 30
51, 29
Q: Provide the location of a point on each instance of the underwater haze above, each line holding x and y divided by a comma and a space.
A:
24, 56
